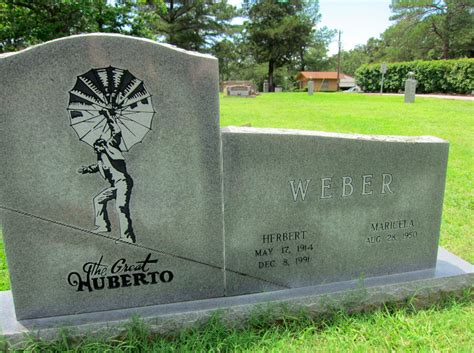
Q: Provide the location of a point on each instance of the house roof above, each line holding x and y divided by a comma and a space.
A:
314, 75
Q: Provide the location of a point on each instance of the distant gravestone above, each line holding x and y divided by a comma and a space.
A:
240, 91
265, 86
278, 89
310, 87
110, 192
305, 208
410, 88
225, 84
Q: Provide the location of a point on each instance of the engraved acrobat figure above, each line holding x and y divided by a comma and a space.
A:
111, 111
111, 165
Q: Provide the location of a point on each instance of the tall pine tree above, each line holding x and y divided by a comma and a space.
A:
452, 21
278, 30
24, 23
188, 24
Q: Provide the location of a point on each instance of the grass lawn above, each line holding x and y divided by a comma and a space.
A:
4, 279
447, 326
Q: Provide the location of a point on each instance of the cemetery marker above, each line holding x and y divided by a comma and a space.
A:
112, 160
122, 197
410, 88
310, 87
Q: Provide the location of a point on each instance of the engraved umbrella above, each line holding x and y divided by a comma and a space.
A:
120, 94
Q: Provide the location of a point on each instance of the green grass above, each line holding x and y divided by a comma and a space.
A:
446, 326
382, 115
4, 278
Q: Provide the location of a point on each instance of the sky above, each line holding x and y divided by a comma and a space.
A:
357, 19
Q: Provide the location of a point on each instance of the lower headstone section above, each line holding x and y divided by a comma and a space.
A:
102, 274
304, 208
451, 274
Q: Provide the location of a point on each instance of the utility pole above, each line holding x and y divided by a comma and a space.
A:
338, 60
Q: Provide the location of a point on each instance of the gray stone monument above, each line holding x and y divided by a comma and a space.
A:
410, 88
305, 208
115, 184
111, 192
310, 87
265, 86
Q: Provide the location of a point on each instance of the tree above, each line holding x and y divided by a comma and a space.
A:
314, 56
24, 23
351, 60
318, 40
425, 30
227, 53
407, 41
376, 50
451, 21
277, 31
188, 24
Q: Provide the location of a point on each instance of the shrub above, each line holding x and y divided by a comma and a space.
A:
438, 76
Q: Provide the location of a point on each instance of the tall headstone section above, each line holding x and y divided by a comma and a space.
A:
310, 87
111, 187
410, 88
265, 86
305, 208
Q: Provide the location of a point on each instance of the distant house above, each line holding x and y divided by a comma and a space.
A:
325, 81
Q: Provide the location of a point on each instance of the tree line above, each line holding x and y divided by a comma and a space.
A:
422, 30
277, 38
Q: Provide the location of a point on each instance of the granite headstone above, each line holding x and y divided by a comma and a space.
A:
111, 187
410, 88
265, 86
305, 208
310, 87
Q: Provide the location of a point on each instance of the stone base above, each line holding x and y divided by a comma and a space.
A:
452, 274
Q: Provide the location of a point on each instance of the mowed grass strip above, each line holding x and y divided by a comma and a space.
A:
451, 120
4, 278
445, 327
